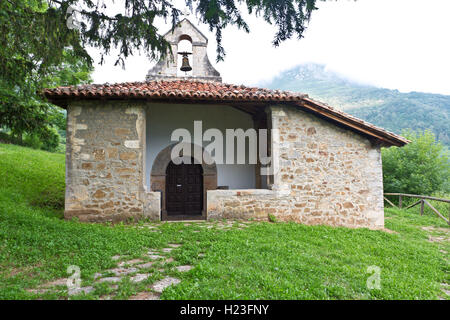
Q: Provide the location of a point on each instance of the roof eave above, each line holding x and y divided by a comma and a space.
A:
385, 138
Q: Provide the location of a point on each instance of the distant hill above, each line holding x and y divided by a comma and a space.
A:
386, 108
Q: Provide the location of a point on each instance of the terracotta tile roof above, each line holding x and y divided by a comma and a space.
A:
181, 89
191, 90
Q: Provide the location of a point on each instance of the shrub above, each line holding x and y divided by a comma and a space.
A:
50, 139
46, 138
32, 141
421, 167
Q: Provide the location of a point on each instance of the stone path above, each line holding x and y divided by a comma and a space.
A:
437, 234
145, 296
220, 224
130, 262
440, 236
164, 283
136, 270
183, 268
137, 276
139, 270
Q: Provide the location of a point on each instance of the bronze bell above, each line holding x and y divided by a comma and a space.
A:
185, 62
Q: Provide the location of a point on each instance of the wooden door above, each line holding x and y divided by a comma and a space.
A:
184, 190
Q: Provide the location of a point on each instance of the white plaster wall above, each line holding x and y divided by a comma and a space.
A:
163, 119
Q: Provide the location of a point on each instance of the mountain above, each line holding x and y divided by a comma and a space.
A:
389, 109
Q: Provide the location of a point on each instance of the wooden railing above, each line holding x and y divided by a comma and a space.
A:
423, 201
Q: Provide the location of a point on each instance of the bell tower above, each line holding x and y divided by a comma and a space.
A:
188, 63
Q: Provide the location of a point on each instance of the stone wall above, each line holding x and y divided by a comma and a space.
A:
326, 175
105, 162
244, 204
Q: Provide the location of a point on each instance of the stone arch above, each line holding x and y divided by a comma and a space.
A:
185, 37
162, 160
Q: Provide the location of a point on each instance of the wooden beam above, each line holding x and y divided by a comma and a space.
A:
243, 110
390, 202
347, 122
417, 196
414, 204
436, 211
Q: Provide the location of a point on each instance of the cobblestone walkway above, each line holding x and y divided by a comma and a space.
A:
149, 272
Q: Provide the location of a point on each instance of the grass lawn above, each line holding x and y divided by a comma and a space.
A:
229, 260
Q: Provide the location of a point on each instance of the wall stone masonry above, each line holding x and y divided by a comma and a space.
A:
105, 163
241, 204
327, 175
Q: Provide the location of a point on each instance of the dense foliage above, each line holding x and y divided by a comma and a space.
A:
415, 110
32, 121
389, 109
34, 56
421, 167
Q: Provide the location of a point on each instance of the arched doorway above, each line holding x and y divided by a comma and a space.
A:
158, 180
184, 190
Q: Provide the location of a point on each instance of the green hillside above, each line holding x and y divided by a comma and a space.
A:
389, 109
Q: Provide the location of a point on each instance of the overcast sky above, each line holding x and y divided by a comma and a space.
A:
395, 44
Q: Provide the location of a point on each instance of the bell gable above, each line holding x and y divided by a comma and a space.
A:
196, 61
